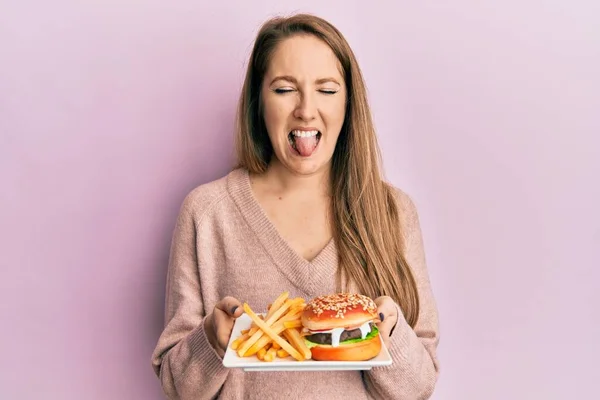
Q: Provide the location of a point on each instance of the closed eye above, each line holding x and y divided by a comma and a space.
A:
283, 90
289, 90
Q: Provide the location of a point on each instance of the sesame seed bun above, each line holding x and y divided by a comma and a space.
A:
341, 310
358, 351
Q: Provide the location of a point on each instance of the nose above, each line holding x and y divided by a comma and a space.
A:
306, 109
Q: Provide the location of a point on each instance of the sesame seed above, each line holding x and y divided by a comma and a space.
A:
340, 303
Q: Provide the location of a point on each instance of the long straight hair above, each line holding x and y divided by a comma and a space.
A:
366, 220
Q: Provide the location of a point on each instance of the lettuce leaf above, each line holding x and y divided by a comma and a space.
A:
373, 333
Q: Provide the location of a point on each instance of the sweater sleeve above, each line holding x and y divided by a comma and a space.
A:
187, 365
415, 368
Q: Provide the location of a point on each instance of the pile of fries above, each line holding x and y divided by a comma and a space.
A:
277, 334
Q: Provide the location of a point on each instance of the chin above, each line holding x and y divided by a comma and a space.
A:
306, 167
341, 327
318, 162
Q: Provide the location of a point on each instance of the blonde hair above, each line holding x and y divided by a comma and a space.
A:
366, 220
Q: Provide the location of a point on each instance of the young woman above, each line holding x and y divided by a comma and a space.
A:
306, 211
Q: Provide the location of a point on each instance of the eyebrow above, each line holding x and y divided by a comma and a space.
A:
293, 80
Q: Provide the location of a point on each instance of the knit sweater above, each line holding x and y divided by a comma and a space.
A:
224, 245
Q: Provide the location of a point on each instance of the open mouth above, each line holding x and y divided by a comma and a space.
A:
304, 143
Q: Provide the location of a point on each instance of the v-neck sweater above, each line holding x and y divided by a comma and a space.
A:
224, 244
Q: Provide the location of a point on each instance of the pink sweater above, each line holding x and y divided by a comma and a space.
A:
224, 245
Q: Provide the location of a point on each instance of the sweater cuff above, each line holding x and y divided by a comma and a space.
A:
399, 341
203, 351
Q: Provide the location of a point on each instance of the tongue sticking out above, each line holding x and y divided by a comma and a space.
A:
306, 145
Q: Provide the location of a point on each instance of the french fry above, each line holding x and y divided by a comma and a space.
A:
261, 354
271, 353
263, 336
253, 325
293, 336
282, 353
292, 324
277, 328
299, 307
237, 342
257, 333
292, 304
269, 332
277, 303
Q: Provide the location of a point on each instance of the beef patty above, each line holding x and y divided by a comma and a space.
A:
325, 338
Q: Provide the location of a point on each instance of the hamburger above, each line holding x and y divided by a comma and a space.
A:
341, 327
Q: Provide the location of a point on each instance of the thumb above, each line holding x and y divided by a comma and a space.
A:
230, 306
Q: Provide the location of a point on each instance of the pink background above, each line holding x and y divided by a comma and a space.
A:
488, 115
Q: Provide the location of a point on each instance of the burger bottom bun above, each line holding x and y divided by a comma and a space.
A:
358, 351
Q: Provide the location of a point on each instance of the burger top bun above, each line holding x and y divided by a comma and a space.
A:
341, 310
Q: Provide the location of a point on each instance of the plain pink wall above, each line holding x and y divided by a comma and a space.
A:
487, 114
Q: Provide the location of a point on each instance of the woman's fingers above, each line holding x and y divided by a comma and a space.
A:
388, 314
224, 315
230, 306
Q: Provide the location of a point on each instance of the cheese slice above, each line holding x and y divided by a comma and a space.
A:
336, 333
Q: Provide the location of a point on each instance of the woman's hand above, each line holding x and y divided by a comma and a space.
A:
219, 324
388, 314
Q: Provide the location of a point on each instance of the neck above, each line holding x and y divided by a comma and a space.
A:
283, 180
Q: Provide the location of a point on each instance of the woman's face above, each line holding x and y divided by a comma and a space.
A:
304, 103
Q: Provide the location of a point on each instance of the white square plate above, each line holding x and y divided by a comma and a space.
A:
252, 363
